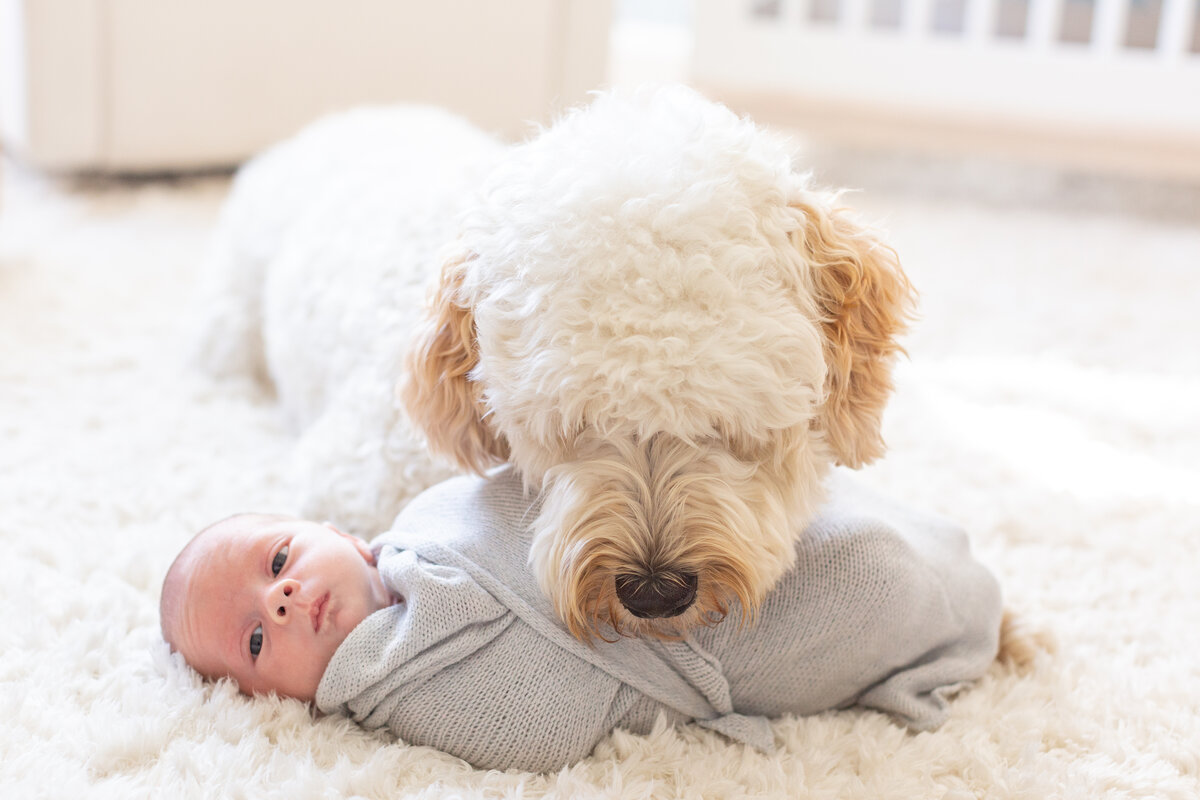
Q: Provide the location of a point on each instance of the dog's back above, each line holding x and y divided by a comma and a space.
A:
344, 177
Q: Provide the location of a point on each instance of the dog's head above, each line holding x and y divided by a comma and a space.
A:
654, 536
674, 361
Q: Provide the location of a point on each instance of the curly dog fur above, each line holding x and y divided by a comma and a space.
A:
674, 337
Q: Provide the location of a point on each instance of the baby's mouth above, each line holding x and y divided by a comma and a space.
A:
317, 612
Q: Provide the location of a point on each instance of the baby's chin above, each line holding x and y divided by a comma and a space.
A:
334, 636
342, 620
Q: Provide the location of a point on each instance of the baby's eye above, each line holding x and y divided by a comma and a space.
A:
279, 560
256, 642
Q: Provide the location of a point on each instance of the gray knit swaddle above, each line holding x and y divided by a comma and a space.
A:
885, 608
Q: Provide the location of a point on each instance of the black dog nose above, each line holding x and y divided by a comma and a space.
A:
657, 595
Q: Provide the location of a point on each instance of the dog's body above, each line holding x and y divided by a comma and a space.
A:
315, 281
644, 308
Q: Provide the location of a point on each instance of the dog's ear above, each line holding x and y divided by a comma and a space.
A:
866, 302
438, 392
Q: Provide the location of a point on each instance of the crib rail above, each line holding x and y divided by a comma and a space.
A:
1124, 69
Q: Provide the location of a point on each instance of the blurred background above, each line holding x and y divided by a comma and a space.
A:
1092, 87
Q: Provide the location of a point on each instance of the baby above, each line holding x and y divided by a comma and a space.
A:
438, 630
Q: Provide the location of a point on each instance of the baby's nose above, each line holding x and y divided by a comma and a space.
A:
282, 599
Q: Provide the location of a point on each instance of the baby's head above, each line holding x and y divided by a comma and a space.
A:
266, 600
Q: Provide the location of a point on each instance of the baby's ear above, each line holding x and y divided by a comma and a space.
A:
362, 547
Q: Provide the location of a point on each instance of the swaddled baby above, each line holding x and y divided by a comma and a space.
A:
438, 630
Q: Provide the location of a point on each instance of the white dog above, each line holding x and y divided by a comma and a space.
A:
646, 308
653, 315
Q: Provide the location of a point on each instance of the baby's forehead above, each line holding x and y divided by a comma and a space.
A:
230, 540
246, 525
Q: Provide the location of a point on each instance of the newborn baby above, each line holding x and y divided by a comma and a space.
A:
439, 631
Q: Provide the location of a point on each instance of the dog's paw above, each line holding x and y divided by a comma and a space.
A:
1023, 641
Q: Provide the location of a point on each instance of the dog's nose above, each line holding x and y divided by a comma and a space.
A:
657, 595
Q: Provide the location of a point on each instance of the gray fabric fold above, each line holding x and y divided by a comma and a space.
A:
884, 608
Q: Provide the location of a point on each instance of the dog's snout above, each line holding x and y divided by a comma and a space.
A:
657, 595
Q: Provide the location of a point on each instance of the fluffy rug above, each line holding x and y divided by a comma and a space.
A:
1050, 403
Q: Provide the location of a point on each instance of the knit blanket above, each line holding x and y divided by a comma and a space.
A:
885, 608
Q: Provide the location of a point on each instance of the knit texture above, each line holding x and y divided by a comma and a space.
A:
884, 608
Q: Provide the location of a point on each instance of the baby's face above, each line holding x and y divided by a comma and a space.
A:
267, 601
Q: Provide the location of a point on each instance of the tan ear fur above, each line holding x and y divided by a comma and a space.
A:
866, 302
438, 393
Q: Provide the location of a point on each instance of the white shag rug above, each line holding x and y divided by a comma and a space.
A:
1052, 404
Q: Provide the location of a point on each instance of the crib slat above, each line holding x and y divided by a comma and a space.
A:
1174, 35
1044, 16
854, 16
916, 20
1112, 17
981, 20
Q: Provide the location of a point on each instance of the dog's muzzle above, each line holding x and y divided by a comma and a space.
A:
658, 595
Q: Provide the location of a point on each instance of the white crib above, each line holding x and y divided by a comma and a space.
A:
1118, 75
